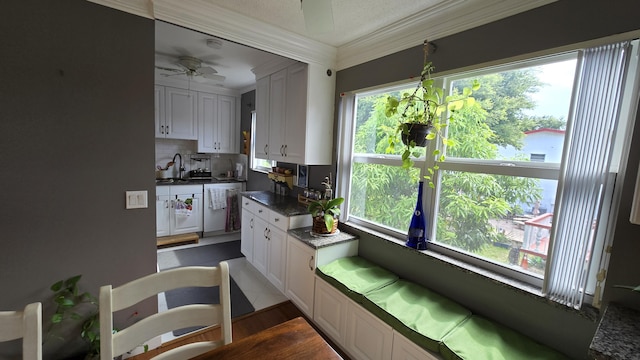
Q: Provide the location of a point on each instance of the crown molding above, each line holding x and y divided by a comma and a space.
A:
203, 16
142, 8
446, 18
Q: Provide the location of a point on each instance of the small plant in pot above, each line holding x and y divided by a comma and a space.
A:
325, 214
420, 115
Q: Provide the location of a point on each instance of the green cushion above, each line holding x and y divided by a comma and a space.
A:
355, 276
419, 314
479, 338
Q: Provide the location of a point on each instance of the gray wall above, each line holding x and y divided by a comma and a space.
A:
76, 132
557, 24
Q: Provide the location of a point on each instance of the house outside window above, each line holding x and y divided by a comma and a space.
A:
495, 196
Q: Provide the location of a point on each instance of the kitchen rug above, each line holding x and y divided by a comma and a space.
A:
206, 255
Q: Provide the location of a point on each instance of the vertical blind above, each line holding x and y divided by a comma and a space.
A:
587, 155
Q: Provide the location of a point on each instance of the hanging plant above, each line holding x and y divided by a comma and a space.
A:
420, 116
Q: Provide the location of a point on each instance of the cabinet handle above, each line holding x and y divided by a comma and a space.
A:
260, 211
276, 219
285, 149
161, 129
311, 263
166, 204
282, 150
265, 232
269, 234
167, 129
251, 223
265, 149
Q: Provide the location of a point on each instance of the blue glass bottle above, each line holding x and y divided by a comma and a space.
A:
417, 235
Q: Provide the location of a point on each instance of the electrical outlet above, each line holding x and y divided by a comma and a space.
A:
136, 199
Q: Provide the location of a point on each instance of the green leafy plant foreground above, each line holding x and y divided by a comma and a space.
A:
68, 299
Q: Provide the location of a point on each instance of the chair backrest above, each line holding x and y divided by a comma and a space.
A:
115, 299
26, 324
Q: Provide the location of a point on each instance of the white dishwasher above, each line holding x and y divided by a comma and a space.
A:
218, 216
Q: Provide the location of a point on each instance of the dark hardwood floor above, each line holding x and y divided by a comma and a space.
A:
242, 327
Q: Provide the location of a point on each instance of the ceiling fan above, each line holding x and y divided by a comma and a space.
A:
193, 69
318, 15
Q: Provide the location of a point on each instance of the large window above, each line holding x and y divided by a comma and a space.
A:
498, 192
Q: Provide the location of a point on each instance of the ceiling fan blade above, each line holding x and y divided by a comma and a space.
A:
207, 70
169, 69
318, 16
218, 78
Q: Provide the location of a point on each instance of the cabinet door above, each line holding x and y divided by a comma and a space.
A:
207, 122
277, 257
226, 135
330, 311
296, 114
246, 235
183, 221
163, 215
159, 118
300, 280
180, 115
277, 113
367, 337
405, 349
261, 131
260, 234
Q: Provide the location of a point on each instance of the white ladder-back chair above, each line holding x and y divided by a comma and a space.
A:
112, 300
26, 324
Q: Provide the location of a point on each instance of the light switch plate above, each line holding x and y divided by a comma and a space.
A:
136, 199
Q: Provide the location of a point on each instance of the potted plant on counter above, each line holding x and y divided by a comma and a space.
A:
325, 214
420, 115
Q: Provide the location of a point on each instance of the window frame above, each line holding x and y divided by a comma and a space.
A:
544, 170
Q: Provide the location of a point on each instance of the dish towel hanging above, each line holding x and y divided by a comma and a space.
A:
233, 211
217, 199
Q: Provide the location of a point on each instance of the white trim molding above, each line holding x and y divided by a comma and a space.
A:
446, 18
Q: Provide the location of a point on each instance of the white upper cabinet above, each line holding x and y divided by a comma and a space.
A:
261, 136
294, 106
217, 123
277, 113
180, 114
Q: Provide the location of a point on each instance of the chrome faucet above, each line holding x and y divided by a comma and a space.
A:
180, 165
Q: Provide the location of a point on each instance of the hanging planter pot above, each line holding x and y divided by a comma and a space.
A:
415, 132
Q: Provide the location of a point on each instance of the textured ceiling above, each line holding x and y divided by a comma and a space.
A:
352, 18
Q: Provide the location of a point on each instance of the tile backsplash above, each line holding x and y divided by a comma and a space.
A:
220, 163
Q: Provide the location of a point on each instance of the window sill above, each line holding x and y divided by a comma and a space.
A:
587, 311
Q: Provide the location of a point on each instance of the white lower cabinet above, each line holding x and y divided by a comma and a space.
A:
301, 266
260, 233
302, 261
276, 257
330, 311
264, 237
405, 349
163, 211
367, 337
172, 215
358, 332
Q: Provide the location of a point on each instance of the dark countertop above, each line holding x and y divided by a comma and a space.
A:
305, 235
161, 182
285, 205
617, 335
